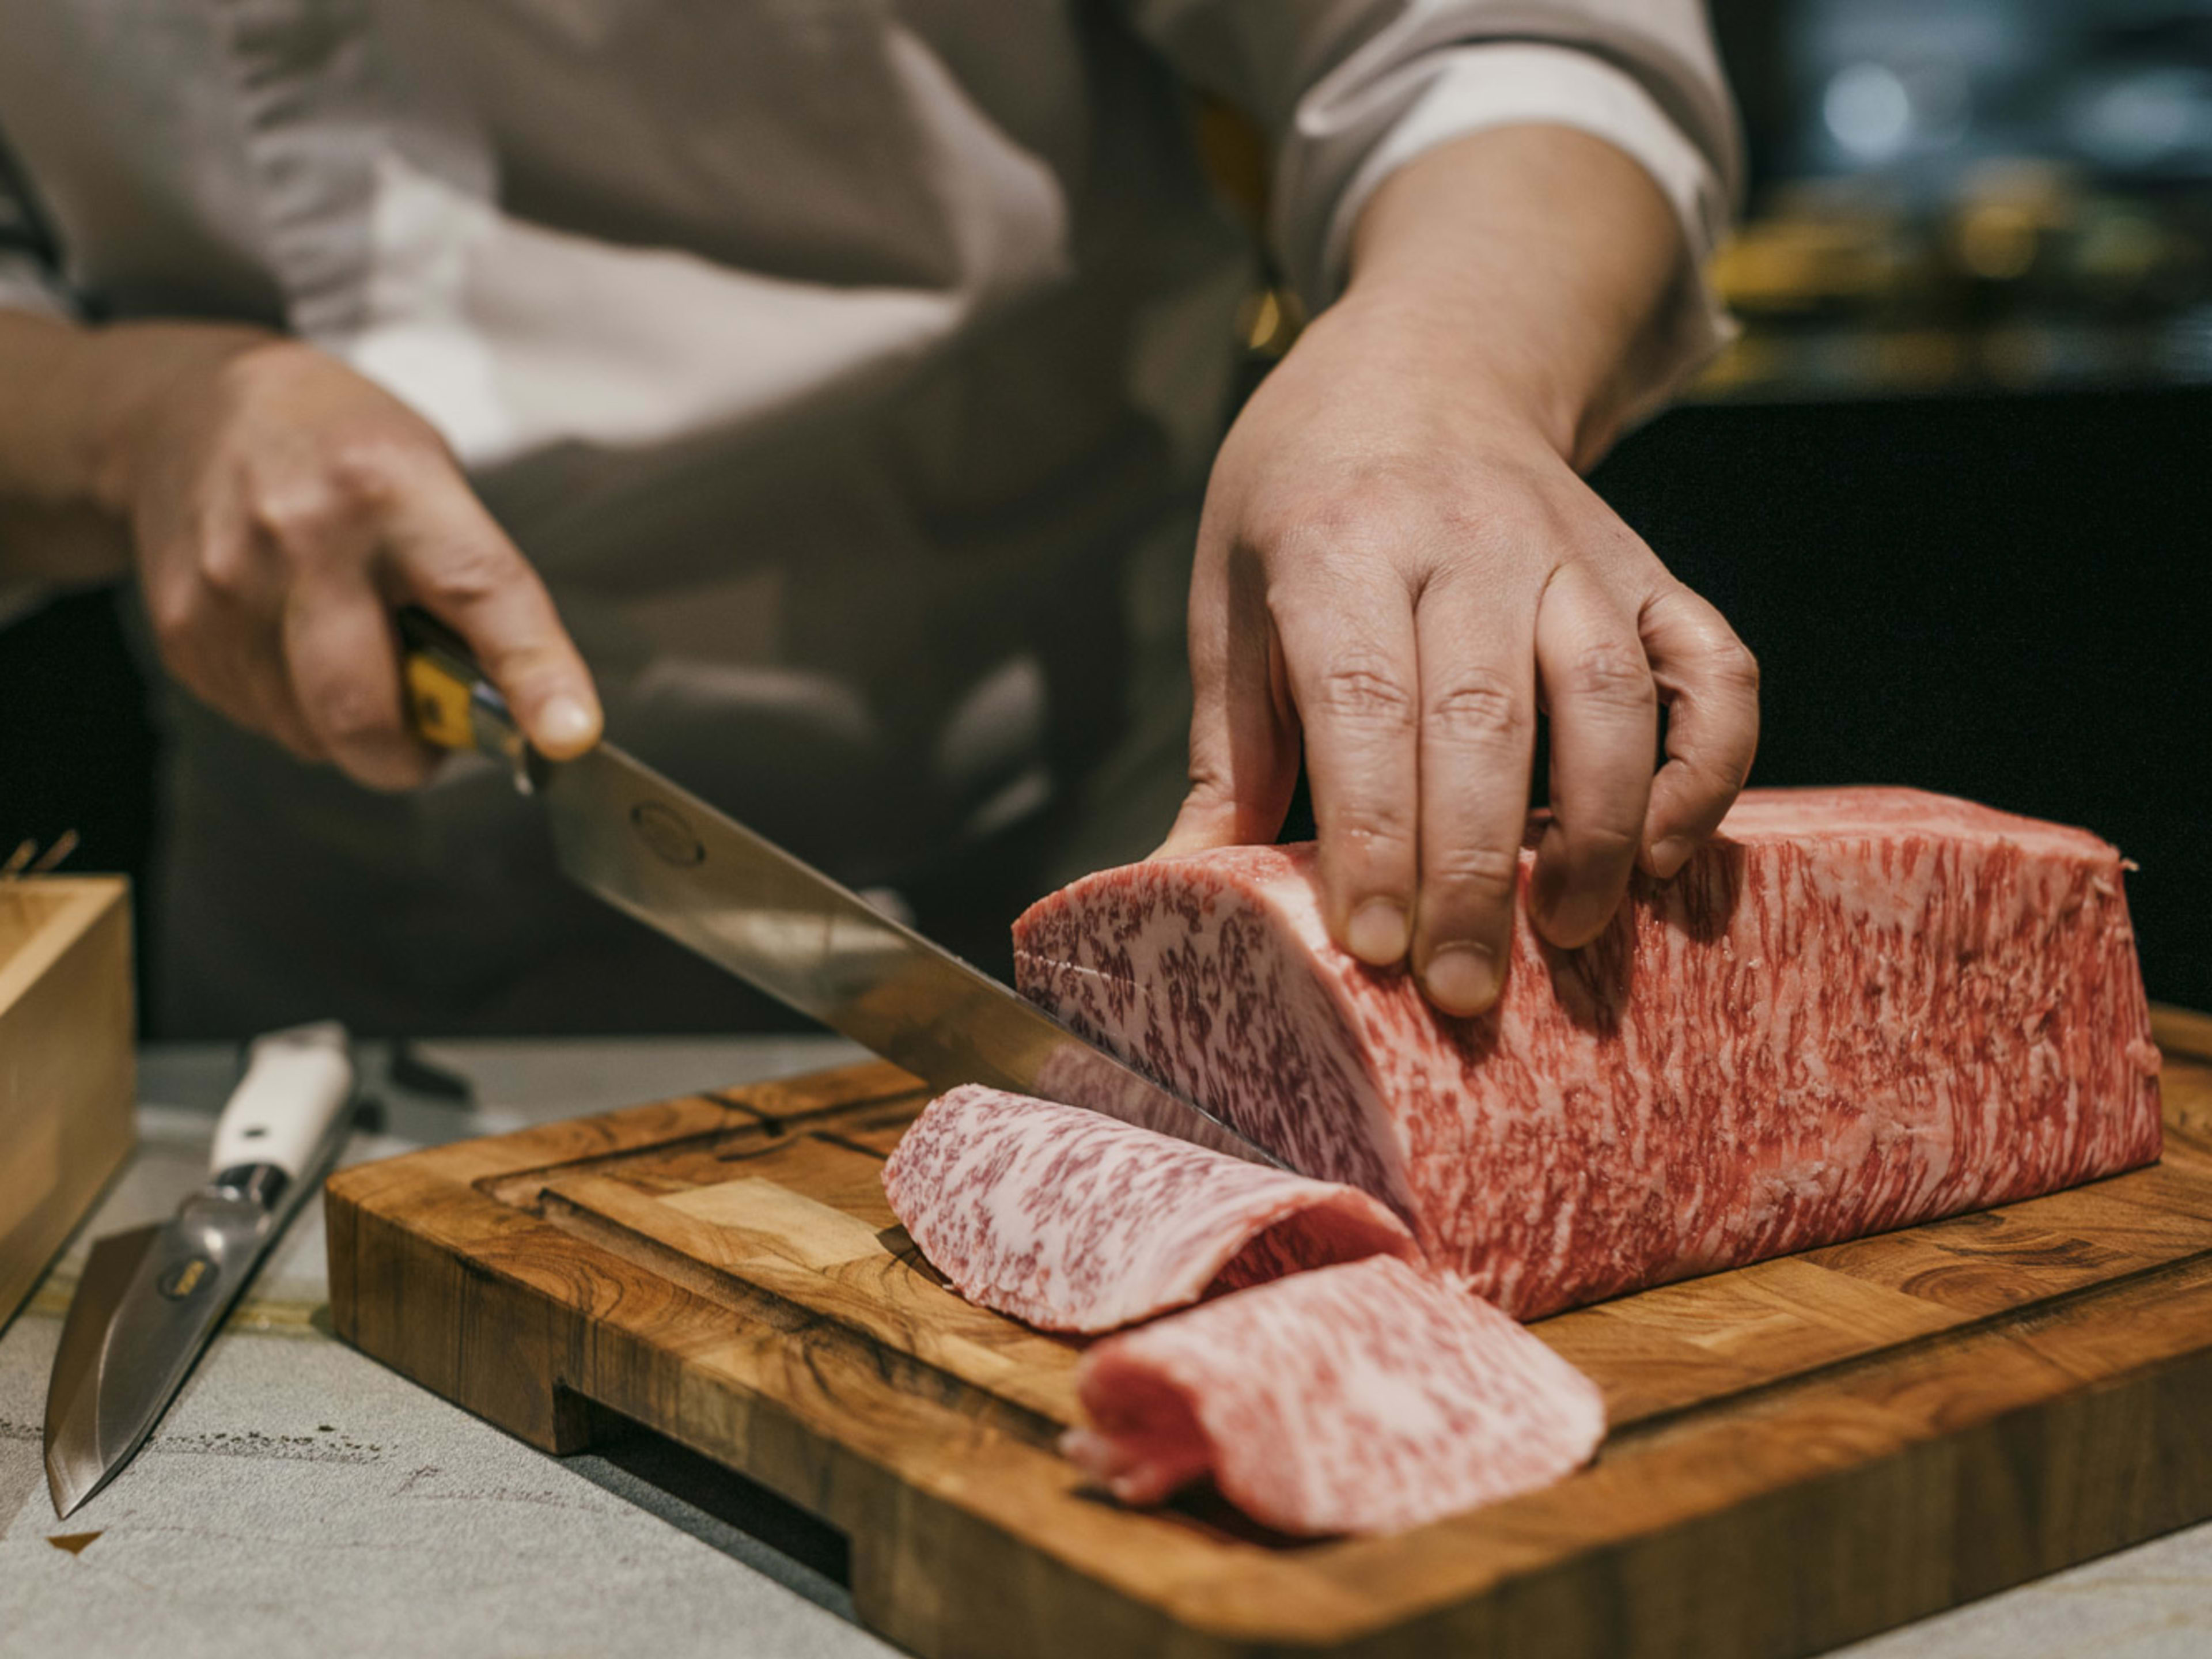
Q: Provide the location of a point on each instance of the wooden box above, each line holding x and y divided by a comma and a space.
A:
66, 1073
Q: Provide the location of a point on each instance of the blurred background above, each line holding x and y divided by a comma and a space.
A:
1952, 484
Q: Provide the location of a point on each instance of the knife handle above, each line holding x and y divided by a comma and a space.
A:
450, 703
297, 1083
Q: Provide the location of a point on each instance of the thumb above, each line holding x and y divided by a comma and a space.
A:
1209, 817
1243, 737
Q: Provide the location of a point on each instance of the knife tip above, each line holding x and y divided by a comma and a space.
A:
67, 1498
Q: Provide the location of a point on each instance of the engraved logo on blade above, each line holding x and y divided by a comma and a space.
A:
178, 1282
665, 835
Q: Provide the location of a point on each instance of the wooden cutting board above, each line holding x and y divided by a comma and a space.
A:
1804, 1451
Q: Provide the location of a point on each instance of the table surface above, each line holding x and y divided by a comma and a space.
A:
300, 1498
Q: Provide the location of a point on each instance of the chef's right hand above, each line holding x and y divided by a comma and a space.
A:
281, 508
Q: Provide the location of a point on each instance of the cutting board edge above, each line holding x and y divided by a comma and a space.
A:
1651, 1594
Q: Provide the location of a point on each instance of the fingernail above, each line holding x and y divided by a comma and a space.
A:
1669, 856
1378, 934
566, 723
1461, 979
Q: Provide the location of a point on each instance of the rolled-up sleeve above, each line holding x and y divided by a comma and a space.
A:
1347, 91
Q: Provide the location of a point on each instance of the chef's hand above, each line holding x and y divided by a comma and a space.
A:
278, 507
1399, 565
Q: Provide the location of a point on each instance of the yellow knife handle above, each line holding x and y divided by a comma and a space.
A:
438, 704
450, 703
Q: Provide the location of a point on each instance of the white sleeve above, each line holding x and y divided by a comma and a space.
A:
1348, 92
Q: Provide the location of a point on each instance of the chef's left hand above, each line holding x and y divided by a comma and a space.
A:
1399, 567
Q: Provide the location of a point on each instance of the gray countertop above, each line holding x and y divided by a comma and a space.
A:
299, 1499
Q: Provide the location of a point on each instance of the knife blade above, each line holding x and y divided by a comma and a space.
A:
659, 854
152, 1297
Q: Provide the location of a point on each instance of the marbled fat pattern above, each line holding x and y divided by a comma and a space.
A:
1364, 1398
1855, 1010
1076, 1222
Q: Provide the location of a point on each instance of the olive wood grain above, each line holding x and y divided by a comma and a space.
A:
1805, 1451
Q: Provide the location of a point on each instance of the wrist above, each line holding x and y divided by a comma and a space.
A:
1534, 262
132, 374
1461, 368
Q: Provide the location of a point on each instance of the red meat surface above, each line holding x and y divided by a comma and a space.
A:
1364, 1398
1855, 1010
1076, 1222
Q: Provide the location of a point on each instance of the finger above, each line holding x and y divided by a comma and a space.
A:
247, 693
1243, 739
1710, 684
452, 558
1605, 716
1478, 738
211, 609
277, 708
342, 655
248, 638
1349, 659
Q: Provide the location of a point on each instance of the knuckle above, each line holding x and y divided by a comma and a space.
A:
175, 611
1365, 694
1611, 674
1477, 709
350, 485
1721, 776
225, 567
1734, 667
1355, 512
467, 573
350, 714
1709, 642
1339, 531
1471, 871
297, 513
371, 470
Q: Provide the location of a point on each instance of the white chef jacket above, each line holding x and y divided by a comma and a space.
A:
849, 370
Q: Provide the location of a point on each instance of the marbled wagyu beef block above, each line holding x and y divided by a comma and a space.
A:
1855, 1010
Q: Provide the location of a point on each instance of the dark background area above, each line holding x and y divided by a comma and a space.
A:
1955, 487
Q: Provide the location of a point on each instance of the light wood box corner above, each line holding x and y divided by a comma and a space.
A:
67, 1079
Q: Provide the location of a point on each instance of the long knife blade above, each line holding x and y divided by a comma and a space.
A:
657, 852
661, 853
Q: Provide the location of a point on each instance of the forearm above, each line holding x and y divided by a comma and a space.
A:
1530, 265
74, 399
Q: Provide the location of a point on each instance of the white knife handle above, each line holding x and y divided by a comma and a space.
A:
297, 1083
